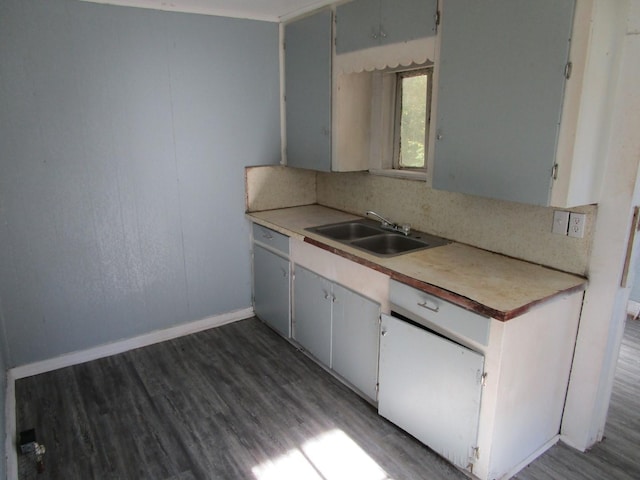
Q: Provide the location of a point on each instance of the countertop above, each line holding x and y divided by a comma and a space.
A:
484, 282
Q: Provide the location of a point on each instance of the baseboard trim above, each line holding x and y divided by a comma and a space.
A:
633, 309
11, 436
101, 351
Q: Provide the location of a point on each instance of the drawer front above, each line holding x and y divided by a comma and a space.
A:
271, 238
415, 303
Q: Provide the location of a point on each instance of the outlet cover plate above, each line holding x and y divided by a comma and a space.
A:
576, 224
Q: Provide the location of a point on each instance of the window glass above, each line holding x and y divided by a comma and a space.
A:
412, 118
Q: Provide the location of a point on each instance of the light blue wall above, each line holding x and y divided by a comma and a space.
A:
123, 137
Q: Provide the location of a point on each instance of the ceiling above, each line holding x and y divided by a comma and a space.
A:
269, 10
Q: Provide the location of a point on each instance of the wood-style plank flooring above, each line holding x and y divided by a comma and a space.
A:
239, 402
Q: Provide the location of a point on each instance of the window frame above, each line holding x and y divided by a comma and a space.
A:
397, 119
383, 123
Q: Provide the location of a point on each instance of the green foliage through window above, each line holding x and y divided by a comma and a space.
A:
413, 98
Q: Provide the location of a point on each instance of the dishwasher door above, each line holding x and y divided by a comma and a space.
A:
430, 387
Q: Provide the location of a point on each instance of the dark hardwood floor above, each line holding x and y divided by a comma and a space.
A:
235, 402
239, 402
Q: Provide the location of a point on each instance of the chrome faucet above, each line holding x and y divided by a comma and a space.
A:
405, 228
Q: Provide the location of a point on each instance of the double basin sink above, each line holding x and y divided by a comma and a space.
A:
370, 237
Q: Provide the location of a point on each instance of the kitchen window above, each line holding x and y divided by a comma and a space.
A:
412, 115
401, 114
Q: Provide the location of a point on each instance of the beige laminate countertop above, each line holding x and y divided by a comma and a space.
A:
488, 283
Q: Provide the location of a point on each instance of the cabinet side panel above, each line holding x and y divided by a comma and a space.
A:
536, 361
500, 95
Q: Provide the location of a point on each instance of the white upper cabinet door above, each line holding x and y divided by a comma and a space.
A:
500, 96
369, 23
308, 91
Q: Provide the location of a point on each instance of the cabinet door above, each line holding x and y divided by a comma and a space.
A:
312, 313
500, 92
355, 337
405, 20
271, 289
308, 92
430, 387
357, 25
368, 23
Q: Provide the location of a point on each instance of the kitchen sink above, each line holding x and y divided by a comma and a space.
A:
389, 244
347, 231
372, 238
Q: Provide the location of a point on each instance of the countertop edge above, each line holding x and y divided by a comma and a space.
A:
426, 287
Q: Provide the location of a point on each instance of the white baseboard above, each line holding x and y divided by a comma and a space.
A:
11, 454
633, 309
121, 346
94, 353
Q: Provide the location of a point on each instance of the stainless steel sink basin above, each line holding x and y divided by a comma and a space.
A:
390, 244
347, 231
370, 237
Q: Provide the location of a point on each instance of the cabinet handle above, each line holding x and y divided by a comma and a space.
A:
383, 34
326, 295
267, 235
383, 333
424, 304
284, 272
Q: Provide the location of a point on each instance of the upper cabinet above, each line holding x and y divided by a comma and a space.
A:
308, 83
500, 92
519, 87
370, 23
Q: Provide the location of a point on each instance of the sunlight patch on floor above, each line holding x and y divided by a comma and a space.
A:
330, 456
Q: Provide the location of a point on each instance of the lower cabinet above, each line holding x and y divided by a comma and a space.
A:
312, 305
271, 289
430, 387
338, 327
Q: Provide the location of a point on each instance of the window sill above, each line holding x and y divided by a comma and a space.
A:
407, 175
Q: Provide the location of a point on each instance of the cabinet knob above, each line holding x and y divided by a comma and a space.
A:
383, 333
383, 34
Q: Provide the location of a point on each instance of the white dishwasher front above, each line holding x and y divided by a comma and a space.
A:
431, 387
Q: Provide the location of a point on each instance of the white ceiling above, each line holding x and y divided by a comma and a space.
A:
269, 10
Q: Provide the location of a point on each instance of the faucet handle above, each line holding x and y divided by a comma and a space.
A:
406, 228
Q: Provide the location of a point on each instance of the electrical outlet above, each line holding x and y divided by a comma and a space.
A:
560, 222
576, 224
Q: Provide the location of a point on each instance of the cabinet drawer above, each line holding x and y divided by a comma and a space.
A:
415, 303
271, 238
